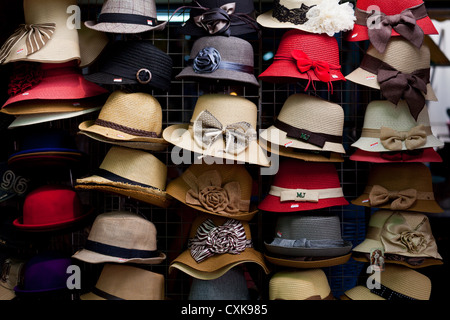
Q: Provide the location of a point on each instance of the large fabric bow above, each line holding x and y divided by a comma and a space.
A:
392, 139
211, 239
237, 136
320, 69
401, 200
216, 20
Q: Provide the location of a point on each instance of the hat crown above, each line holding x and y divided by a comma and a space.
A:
388, 7
310, 227
406, 281
138, 7
47, 11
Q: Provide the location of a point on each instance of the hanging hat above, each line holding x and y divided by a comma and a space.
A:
393, 70
12, 270
126, 282
218, 189
45, 37
220, 17
305, 56
308, 241
12, 184
403, 237
92, 44
121, 237
380, 20
301, 186
399, 186
127, 16
417, 155
133, 173
315, 16
133, 62
225, 59
300, 285
229, 244
221, 126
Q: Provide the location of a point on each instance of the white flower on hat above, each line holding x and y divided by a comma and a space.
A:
329, 16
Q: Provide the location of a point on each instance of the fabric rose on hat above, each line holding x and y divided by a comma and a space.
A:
207, 60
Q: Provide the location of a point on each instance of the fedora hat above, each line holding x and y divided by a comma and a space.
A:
12, 270
121, 237
309, 284
129, 172
396, 283
392, 71
380, 20
225, 59
315, 16
229, 244
404, 238
301, 186
128, 117
45, 37
218, 189
213, 114
418, 155
399, 186
392, 128
127, 16
308, 241
305, 56
126, 282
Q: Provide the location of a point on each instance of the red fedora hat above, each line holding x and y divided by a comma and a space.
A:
419, 155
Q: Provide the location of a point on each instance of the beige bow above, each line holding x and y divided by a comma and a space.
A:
402, 200
414, 138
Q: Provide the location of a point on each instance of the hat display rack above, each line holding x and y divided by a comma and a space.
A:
215, 150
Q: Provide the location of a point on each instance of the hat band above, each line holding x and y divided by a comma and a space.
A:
305, 243
224, 65
126, 18
392, 139
388, 293
296, 16
116, 178
125, 129
305, 195
114, 251
104, 295
315, 138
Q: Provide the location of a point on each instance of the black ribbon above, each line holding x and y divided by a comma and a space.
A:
104, 295
116, 178
114, 251
389, 294
225, 65
126, 18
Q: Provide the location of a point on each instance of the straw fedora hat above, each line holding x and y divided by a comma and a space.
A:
309, 284
315, 16
400, 234
128, 117
121, 237
127, 16
129, 172
216, 119
225, 59
126, 282
229, 245
218, 189
50, 40
399, 186
12, 270
392, 128
418, 155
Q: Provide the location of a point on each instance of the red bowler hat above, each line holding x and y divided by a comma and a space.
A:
301, 185
417, 155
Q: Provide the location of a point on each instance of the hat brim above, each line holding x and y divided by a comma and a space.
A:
6, 294
361, 257
190, 28
375, 145
96, 258
292, 263
309, 252
429, 206
361, 293
428, 155
273, 204
113, 27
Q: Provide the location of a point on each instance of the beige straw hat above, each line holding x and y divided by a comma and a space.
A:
311, 284
219, 189
129, 172
92, 43
222, 126
126, 282
399, 186
121, 237
12, 269
128, 117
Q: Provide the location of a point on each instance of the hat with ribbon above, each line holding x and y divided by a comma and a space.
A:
127, 16
128, 119
45, 36
309, 284
308, 241
315, 16
121, 237
399, 186
133, 173
380, 20
225, 59
302, 55
300, 186
215, 246
401, 72
126, 282
403, 237
222, 126
417, 155
133, 62
12, 271
218, 189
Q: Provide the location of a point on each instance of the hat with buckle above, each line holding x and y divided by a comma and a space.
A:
12, 271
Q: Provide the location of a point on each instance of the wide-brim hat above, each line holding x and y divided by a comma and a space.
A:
224, 111
137, 174
92, 44
12, 269
216, 265
122, 16
412, 177
420, 155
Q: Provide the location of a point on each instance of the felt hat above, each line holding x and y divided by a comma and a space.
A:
399, 186
418, 155
229, 245
214, 113
129, 172
121, 237
12, 271
301, 186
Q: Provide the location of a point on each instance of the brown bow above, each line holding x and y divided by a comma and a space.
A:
402, 200
216, 20
392, 139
